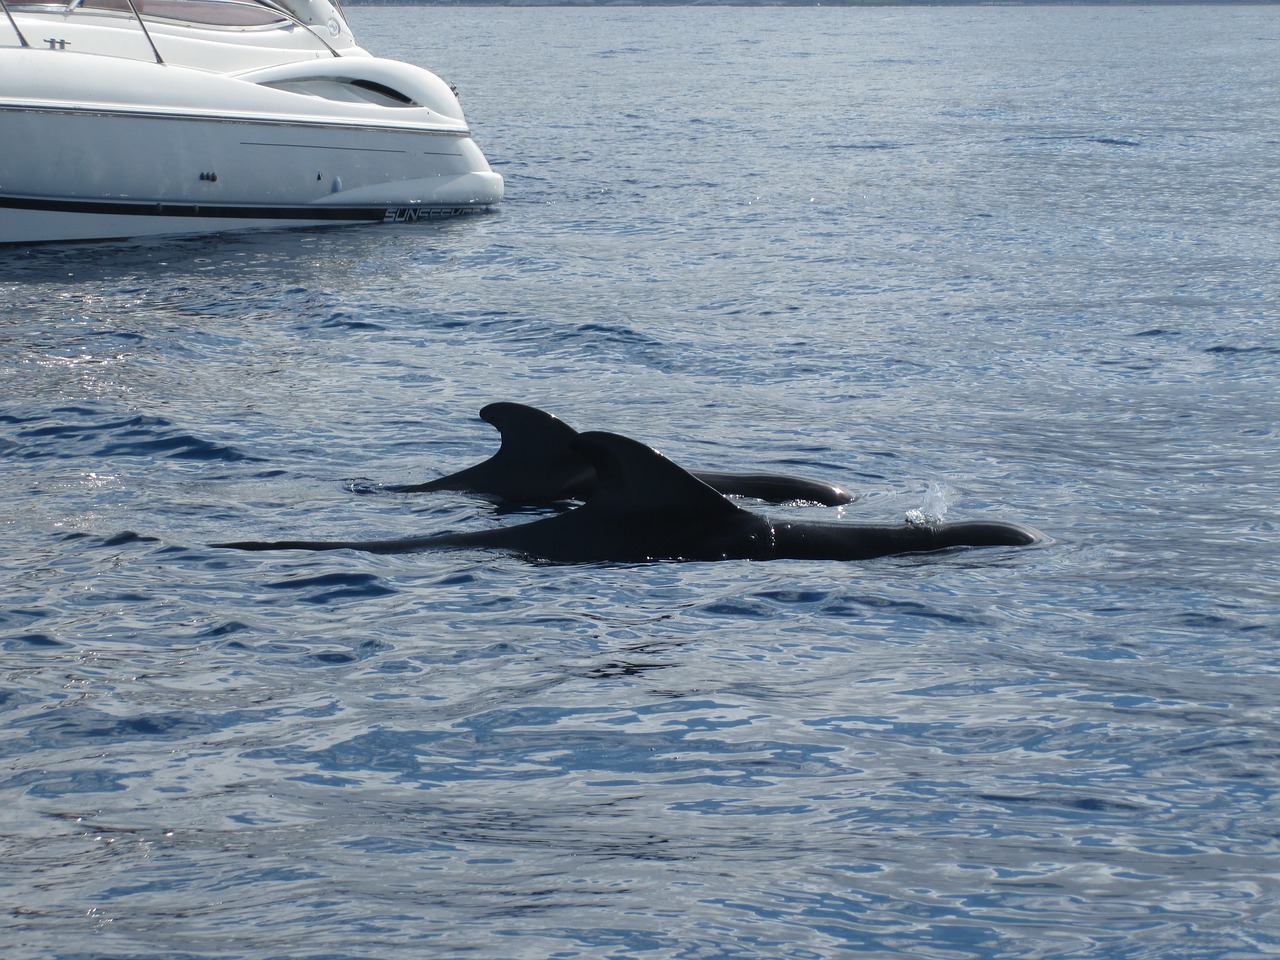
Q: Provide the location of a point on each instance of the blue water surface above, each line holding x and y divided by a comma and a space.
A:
1011, 262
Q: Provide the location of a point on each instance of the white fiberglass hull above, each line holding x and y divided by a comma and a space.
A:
45, 220
97, 148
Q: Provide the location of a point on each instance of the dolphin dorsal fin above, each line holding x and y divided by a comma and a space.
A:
635, 478
528, 433
535, 460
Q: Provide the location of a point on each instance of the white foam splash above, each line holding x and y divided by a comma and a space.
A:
933, 512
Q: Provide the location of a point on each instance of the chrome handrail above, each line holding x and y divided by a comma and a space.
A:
293, 18
145, 32
271, 5
14, 23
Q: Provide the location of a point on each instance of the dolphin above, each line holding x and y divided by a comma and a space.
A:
646, 508
537, 463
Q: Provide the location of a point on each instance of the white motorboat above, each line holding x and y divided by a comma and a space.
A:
126, 118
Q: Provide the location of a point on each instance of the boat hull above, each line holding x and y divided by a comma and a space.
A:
25, 219
219, 154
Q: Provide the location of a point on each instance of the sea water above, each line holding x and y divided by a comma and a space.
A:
978, 262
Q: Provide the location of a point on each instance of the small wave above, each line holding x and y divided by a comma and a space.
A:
363, 486
1075, 138
328, 587
874, 145
178, 446
137, 436
345, 321
61, 728
1237, 351
346, 655
110, 540
33, 640
1090, 804
222, 629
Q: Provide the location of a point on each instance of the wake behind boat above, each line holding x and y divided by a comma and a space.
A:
125, 118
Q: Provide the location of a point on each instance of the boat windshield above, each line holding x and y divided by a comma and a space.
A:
221, 13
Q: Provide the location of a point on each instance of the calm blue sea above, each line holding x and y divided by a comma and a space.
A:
993, 262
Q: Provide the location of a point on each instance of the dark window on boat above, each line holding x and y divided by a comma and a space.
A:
383, 90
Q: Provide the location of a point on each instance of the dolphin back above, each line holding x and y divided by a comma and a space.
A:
867, 541
641, 506
536, 463
776, 488
645, 508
